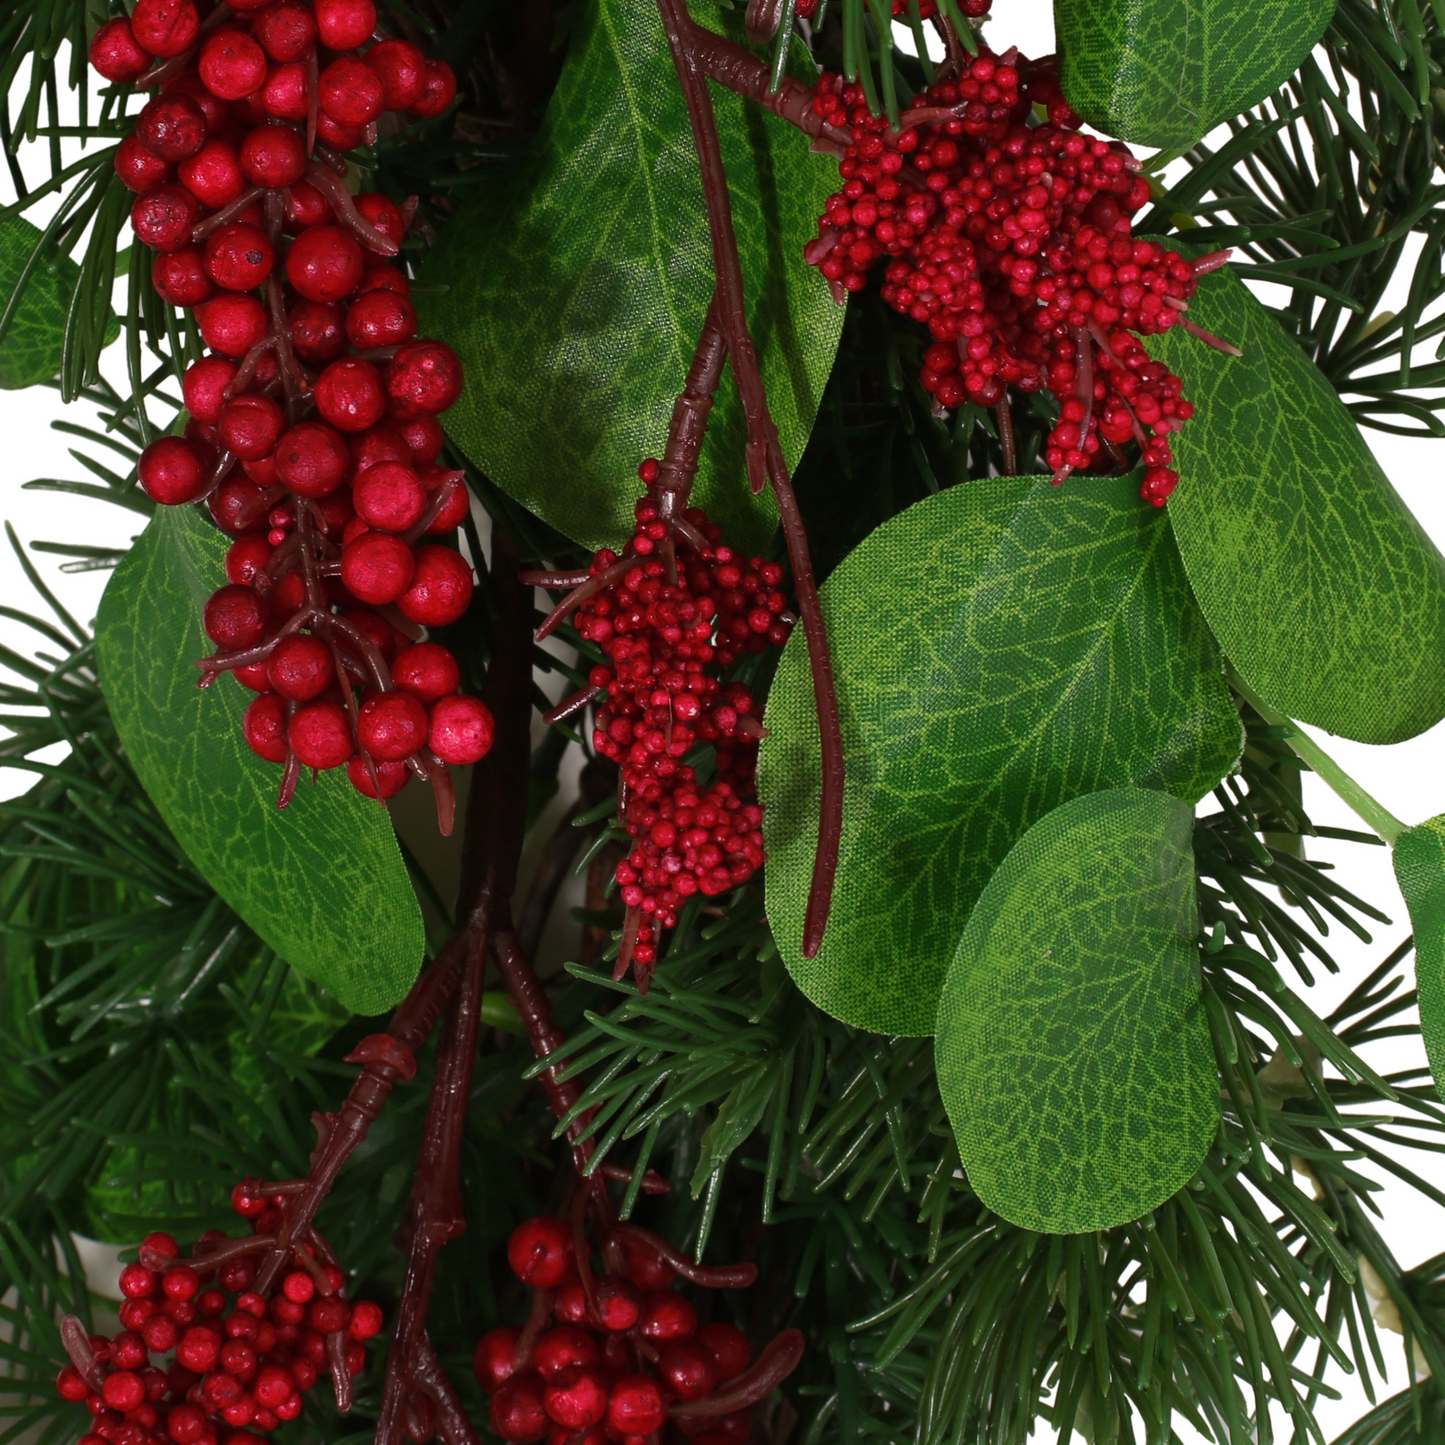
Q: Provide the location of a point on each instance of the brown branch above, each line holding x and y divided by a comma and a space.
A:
688, 42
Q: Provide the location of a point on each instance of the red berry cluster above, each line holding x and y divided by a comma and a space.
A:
660, 698
198, 1364
1011, 242
578, 1373
313, 434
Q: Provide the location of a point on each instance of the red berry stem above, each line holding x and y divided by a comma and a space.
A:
726, 1276
778, 1360
764, 453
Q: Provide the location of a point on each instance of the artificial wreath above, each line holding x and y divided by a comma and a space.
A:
811, 503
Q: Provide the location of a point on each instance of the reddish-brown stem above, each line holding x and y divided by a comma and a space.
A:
570, 706
226, 214
1006, 436
690, 44
778, 1360
1209, 338
722, 1276
333, 187
590, 588
677, 467
553, 579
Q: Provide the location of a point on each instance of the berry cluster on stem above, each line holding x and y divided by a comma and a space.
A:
313, 435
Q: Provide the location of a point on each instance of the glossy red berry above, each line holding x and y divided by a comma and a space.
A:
728, 1346
235, 617
345, 24
320, 735
441, 587
349, 394
563, 1348
541, 1252
389, 496
171, 471
462, 730
232, 64
376, 567
424, 376
427, 670
494, 1357
423, 435
366, 1320
213, 175
439, 92
163, 216
392, 725
165, 28
636, 1406
239, 257
300, 668
350, 91
284, 97
576, 1398
245, 558
402, 68
171, 127
123, 1390
274, 156
518, 1412
312, 459
286, 31
667, 1316
647, 1269
687, 1369
250, 425
116, 54
324, 263
138, 169
264, 727
380, 318
232, 323
619, 1302
366, 778
180, 277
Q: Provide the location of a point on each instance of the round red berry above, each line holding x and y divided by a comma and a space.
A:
494, 1357
423, 436
71, 1386
350, 91
541, 1252
667, 1316
275, 156
366, 1320
137, 168
577, 1398
377, 779
349, 394
439, 92
123, 1390
284, 97
163, 216
518, 1412
237, 507
213, 175
232, 64
392, 725
636, 1406
232, 323
239, 257
234, 617
687, 1369
286, 31
180, 277
376, 567
389, 496
619, 1301
382, 214
441, 587
728, 1347
424, 376
345, 24
250, 425
324, 263
452, 512
462, 730
307, 207
165, 27
171, 471
645, 1267
320, 735
563, 1348
116, 53
427, 670
300, 668
312, 459
380, 318
402, 68
171, 127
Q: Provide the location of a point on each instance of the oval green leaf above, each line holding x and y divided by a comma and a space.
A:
577, 282
1072, 1050
323, 882
1420, 870
1322, 588
999, 648
1163, 72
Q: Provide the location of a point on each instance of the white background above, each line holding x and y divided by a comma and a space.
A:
1408, 779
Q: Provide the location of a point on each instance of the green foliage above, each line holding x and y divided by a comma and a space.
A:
1322, 588
1000, 648
1072, 1050
1420, 869
576, 285
1163, 72
324, 883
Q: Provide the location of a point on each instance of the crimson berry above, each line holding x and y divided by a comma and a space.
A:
286, 31
199, 1349
345, 24
667, 1316
250, 425
687, 1369
135, 1312
378, 276
389, 496
439, 92
366, 1320
392, 725
350, 91
518, 1411
577, 1398
324, 263
423, 436
329, 1314
312, 459
618, 1301
381, 634
234, 618
246, 557
380, 318
305, 205
275, 156
239, 257
171, 471
441, 587
165, 27
492, 1361
541, 1251
349, 394
162, 1243
402, 68
171, 127
452, 512
283, 97
320, 735
563, 1348
163, 216
272, 1386
212, 107
138, 1282
636, 1406
728, 1346
318, 332
137, 168
647, 1269
339, 137
123, 1390
180, 277
390, 778
232, 64
427, 670
232, 323
71, 1386
376, 567
376, 445
300, 668
462, 730
160, 1334
116, 53
382, 214
424, 376
212, 175
246, 1203
236, 507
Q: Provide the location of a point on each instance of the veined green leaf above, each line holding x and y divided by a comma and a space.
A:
1072, 1049
323, 883
999, 648
1163, 72
1420, 869
1322, 588
577, 285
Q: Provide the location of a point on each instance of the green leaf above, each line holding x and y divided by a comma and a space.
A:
1163, 72
1420, 869
1322, 588
30, 346
323, 882
577, 284
1073, 1053
1000, 647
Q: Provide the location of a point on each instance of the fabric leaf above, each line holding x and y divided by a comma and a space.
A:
322, 882
576, 284
999, 648
1072, 1049
1163, 72
1322, 588
1420, 870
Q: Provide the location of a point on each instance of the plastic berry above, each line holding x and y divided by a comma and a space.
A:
541, 1251
441, 587
163, 216
576, 1398
274, 156
284, 97
636, 1406
171, 471
232, 324
380, 318
392, 725
300, 668
423, 435
453, 511
324, 263
349, 394
667, 1316
439, 91
562, 1348
239, 257
618, 1304
171, 127
366, 1320
728, 1346
350, 91
389, 496
518, 1412
320, 735
427, 670
312, 459
116, 54
402, 69
462, 730
318, 331
688, 1369
424, 376
232, 64
286, 31
345, 24
213, 175
376, 567
137, 168
165, 28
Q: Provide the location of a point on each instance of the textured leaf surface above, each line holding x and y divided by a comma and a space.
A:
1072, 1050
578, 282
323, 882
1420, 869
1322, 588
1163, 72
1000, 647
30, 350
